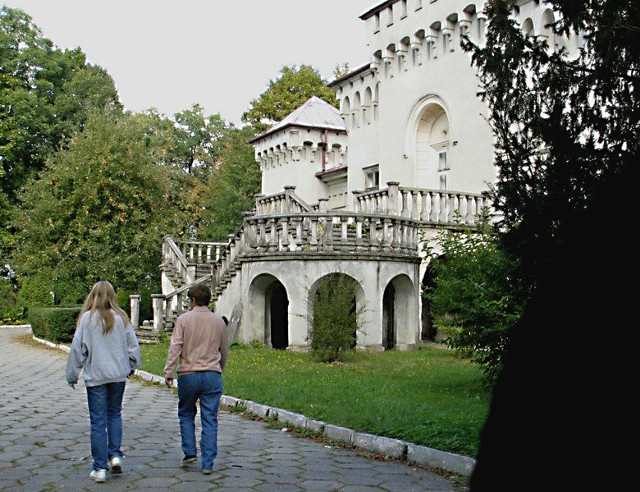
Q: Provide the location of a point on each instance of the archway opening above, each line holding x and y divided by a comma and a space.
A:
389, 318
428, 330
432, 142
278, 307
334, 315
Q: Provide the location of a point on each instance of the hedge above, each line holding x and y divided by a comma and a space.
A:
54, 323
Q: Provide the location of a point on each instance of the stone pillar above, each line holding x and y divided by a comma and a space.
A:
157, 301
135, 311
392, 206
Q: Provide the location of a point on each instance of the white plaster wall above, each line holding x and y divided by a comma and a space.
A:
301, 163
297, 277
299, 174
448, 79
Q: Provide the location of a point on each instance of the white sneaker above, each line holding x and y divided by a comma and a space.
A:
99, 475
115, 464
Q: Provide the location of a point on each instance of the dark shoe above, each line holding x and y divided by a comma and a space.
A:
187, 460
206, 471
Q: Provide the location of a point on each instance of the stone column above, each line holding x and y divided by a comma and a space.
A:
135, 311
157, 301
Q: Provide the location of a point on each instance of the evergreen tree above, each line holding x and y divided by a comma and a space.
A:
565, 120
567, 130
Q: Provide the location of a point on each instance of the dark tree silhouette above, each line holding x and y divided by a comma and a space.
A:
568, 144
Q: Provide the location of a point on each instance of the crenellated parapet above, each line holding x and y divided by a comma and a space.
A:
405, 35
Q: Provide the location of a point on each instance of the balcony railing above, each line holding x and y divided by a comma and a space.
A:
430, 207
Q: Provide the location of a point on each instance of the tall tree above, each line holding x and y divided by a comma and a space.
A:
292, 88
42, 91
232, 187
563, 121
45, 94
196, 138
567, 132
98, 211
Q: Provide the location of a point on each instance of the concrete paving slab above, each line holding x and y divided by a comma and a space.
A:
44, 441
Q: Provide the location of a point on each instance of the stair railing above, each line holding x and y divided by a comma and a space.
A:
165, 306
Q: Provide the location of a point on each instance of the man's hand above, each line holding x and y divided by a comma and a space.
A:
168, 382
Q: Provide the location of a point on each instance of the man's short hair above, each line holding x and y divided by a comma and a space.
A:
201, 293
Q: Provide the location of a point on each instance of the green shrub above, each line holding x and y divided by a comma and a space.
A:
11, 310
472, 298
335, 318
70, 292
36, 290
54, 323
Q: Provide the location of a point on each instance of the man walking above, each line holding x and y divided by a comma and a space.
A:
198, 352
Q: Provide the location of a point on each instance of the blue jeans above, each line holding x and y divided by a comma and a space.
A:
207, 387
105, 415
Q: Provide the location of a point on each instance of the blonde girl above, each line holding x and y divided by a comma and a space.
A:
106, 350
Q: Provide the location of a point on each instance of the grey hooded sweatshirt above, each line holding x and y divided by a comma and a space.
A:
102, 358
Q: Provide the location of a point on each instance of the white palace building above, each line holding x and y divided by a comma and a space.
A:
355, 191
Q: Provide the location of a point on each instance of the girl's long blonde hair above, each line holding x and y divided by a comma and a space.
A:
102, 298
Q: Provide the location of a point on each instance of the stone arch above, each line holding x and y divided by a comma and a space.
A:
388, 58
345, 111
399, 299
403, 52
428, 331
367, 106
417, 47
357, 110
546, 32
428, 142
276, 316
389, 317
268, 311
359, 299
376, 101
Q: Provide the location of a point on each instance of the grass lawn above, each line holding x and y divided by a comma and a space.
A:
429, 397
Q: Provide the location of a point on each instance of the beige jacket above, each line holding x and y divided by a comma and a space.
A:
199, 342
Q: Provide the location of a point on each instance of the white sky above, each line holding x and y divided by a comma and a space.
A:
170, 54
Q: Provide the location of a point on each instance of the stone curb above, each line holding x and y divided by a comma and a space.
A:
388, 447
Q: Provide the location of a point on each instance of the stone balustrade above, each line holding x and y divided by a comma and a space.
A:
201, 251
330, 232
430, 207
280, 203
174, 259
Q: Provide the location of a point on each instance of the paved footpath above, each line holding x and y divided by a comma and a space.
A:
44, 441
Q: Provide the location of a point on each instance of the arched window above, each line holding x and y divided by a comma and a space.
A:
345, 111
432, 145
357, 109
367, 106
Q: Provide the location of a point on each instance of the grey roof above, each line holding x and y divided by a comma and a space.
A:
315, 113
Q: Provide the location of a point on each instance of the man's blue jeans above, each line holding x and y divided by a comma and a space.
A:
205, 386
105, 414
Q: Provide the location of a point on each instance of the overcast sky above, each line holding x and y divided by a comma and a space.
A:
170, 54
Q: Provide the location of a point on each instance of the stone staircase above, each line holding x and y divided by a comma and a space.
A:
385, 223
